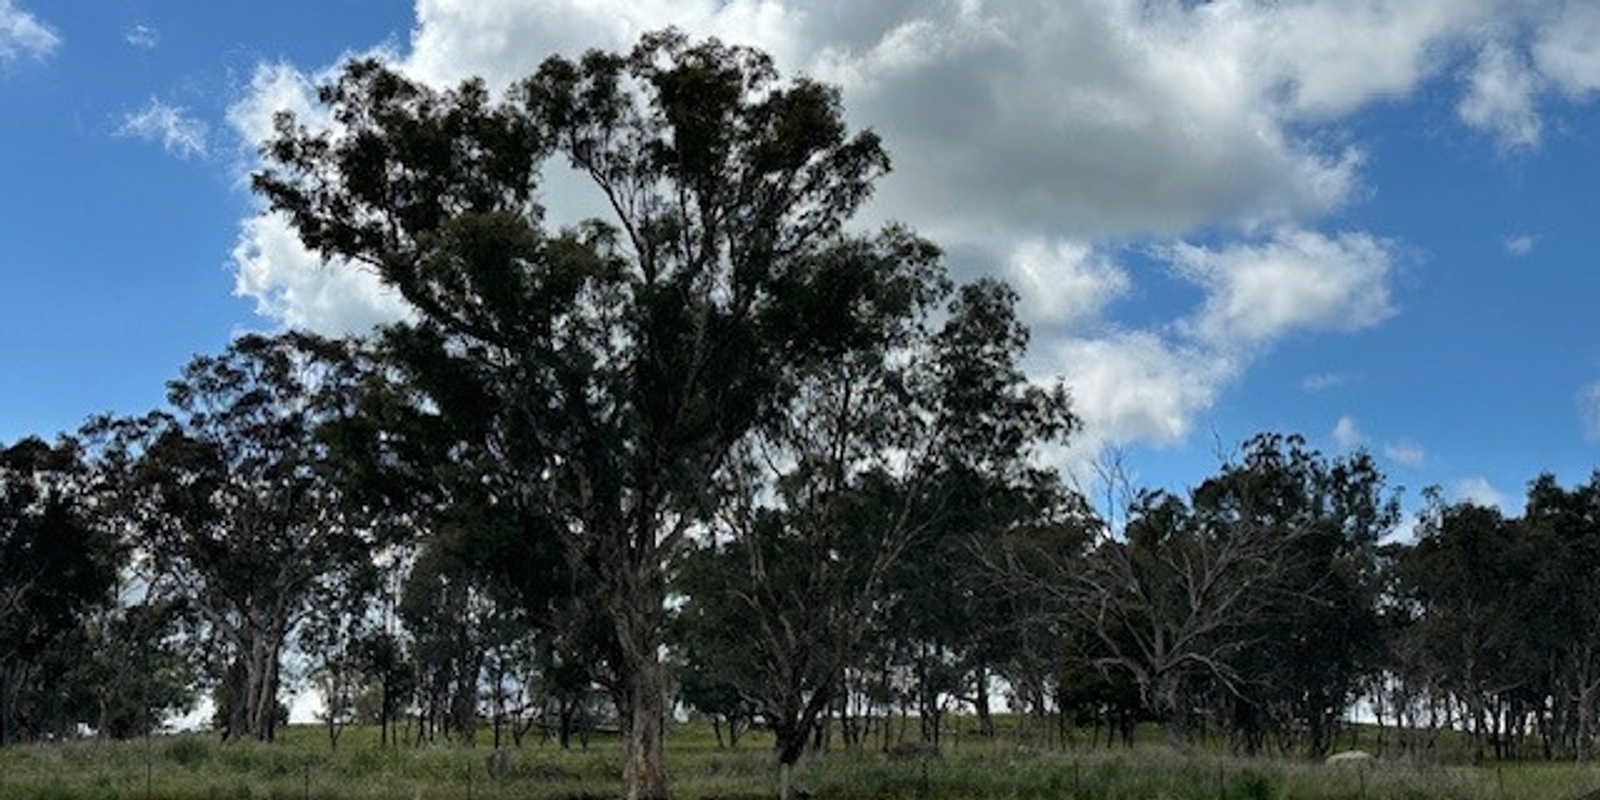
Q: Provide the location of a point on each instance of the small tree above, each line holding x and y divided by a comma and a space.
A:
138, 665
392, 676
923, 441
332, 637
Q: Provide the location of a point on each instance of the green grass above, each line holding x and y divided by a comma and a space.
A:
301, 766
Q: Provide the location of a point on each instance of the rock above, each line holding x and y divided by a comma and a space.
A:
1349, 757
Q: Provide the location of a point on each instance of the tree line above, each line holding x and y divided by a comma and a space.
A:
717, 449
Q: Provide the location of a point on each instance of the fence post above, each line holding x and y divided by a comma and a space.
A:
149, 755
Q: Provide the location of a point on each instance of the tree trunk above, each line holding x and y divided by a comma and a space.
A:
1584, 747
1166, 704
235, 691
334, 729
8, 703
639, 624
644, 773
257, 698
567, 711
385, 718
269, 692
981, 704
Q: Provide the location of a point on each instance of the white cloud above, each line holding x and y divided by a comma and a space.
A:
1081, 120
1530, 55
1406, 453
181, 135
1589, 410
1500, 98
1520, 245
1064, 284
503, 40
294, 286
1088, 119
1295, 281
1347, 434
1478, 491
289, 283
1324, 381
275, 87
1037, 135
1151, 385
22, 35
1564, 48
143, 37
1334, 57
1139, 387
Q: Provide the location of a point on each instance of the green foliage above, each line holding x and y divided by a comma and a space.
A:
848, 517
233, 498
1251, 604
58, 566
1313, 636
1523, 664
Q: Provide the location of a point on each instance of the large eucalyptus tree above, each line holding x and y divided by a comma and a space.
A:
609, 369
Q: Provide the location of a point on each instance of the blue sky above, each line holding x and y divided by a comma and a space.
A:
1372, 223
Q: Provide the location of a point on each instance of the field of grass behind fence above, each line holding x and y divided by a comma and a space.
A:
198, 766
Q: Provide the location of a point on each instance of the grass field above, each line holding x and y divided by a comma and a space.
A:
302, 765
